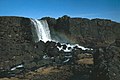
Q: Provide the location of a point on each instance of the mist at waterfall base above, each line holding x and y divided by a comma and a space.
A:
41, 31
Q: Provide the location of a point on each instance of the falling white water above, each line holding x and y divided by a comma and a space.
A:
41, 30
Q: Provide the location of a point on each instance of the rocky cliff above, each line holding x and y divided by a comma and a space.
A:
14, 35
23, 59
19, 54
94, 32
17, 45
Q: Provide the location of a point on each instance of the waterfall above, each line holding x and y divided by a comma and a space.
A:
40, 30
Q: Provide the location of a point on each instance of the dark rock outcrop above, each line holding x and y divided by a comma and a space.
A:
17, 48
15, 41
107, 63
95, 32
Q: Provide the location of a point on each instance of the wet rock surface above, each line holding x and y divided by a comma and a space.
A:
23, 59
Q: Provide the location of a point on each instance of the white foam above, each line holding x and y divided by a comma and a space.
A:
68, 56
66, 60
72, 47
60, 48
19, 66
45, 57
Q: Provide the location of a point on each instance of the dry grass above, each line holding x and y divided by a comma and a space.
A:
40, 71
85, 61
47, 70
12, 78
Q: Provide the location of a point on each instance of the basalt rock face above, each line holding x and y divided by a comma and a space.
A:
45, 61
14, 39
19, 54
16, 43
17, 47
107, 63
95, 32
